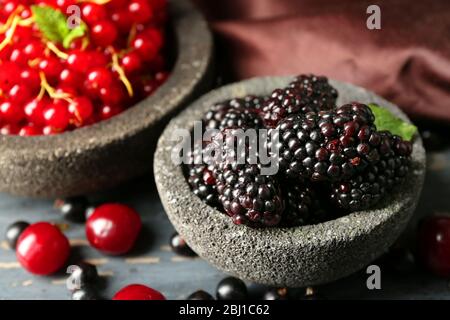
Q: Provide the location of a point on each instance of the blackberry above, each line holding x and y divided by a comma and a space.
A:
235, 113
365, 190
302, 206
329, 145
307, 93
203, 183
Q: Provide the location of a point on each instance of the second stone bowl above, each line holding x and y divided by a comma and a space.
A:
283, 257
105, 154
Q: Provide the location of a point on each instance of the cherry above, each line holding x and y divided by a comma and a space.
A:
28, 131
434, 245
34, 111
113, 228
138, 292
11, 112
131, 62
42, 248
92, 13
82, 109
140, 10
56, 115
104, 33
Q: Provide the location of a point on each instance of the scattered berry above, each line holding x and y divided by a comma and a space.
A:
200, 295
276, 294
85, 294
14, 231
73, 209
138, 292
84, 275
180, 246
231, 289
434, 245
42, 248
113, 228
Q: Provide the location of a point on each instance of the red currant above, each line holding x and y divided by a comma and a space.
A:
11, 112
29, 130
82, 109
131, 62
140, 10
114, 94
79, 60
9, 75
52, 68
107, 111
138, 292
33, 49
113, 228
434, 245
42, 248
19, 94
70, 78
34, 111
123, 21
145, 47
31, 79
92, 13
56, 115
18, 57
104, 33
96, 79
9, 129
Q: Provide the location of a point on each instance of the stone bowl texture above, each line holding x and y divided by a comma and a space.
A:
283, 257
107, 153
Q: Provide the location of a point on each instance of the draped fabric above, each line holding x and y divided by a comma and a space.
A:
407, 61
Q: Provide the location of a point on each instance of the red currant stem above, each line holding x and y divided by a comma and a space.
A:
101, 2
60, 54
5, 27
33, 63
51, 91
132, 34
26, 22
116, 66
10, 34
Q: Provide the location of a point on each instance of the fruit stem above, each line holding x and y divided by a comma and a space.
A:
51, 91
116, 66
10, 33
5, 27
101, 2
60, 54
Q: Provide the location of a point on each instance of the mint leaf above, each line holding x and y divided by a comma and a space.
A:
51, 22
73, 34
387, 121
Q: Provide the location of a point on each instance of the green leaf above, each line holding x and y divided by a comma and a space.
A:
51, 22
385, 120
75, 33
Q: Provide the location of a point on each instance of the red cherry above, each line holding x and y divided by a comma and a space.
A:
42, 248
56, 115
34, 111
29, 130
11, 112
82, 109
104, 33
92, 13
434, 245
140, 10
131, 62
138, 292
113, 228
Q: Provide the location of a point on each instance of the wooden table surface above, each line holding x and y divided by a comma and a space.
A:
153, 263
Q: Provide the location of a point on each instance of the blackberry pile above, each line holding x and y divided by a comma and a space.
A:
329, 157
307, 93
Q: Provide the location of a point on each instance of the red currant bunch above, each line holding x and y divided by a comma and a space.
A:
56, 78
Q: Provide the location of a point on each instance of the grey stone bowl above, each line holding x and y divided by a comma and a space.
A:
293, 257
107, 153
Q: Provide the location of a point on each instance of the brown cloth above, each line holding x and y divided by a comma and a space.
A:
407, 61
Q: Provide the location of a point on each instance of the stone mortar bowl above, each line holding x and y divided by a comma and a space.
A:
107, 153
283, 257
